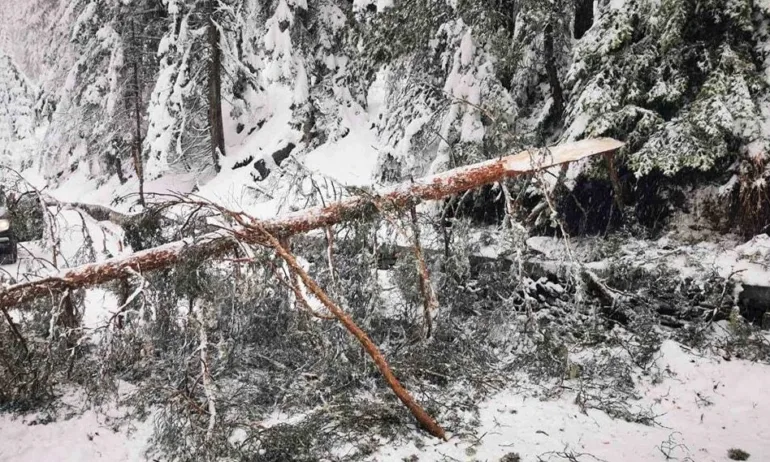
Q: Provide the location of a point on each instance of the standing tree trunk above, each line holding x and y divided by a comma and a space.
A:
216, 127
138, 165
584, 17
553, 75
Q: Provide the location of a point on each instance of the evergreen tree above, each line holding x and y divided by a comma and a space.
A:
97, 115
17, 102
681, 81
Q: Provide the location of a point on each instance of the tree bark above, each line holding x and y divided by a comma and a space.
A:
584, 17
553, 75
138, 164
433, 187
216, 127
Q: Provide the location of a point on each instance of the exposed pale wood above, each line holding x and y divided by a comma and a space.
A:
433, 187
444, 184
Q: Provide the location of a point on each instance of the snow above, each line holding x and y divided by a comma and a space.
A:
283, 12
467, 49
350, 160
85, 17
86, 436
515, 419
301, 91
707, 407
376, 98
281, 418
463, 84
235, 188
17, 100
82, 187
743, 262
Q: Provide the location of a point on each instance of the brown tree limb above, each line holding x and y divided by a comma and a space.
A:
433, 187
330, 253
371, 349
292, 282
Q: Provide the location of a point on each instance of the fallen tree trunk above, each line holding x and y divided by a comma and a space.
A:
433, 187
115, 268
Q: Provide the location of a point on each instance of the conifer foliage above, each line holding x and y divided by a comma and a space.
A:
222, 317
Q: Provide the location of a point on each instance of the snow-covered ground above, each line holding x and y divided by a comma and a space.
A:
87, 435
706, 407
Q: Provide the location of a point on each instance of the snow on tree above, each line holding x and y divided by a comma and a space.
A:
17, 102
679, 81
251, 96
93, 101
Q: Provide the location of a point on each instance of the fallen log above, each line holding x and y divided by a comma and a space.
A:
433, 187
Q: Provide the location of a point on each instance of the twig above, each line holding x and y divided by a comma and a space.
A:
208, 385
